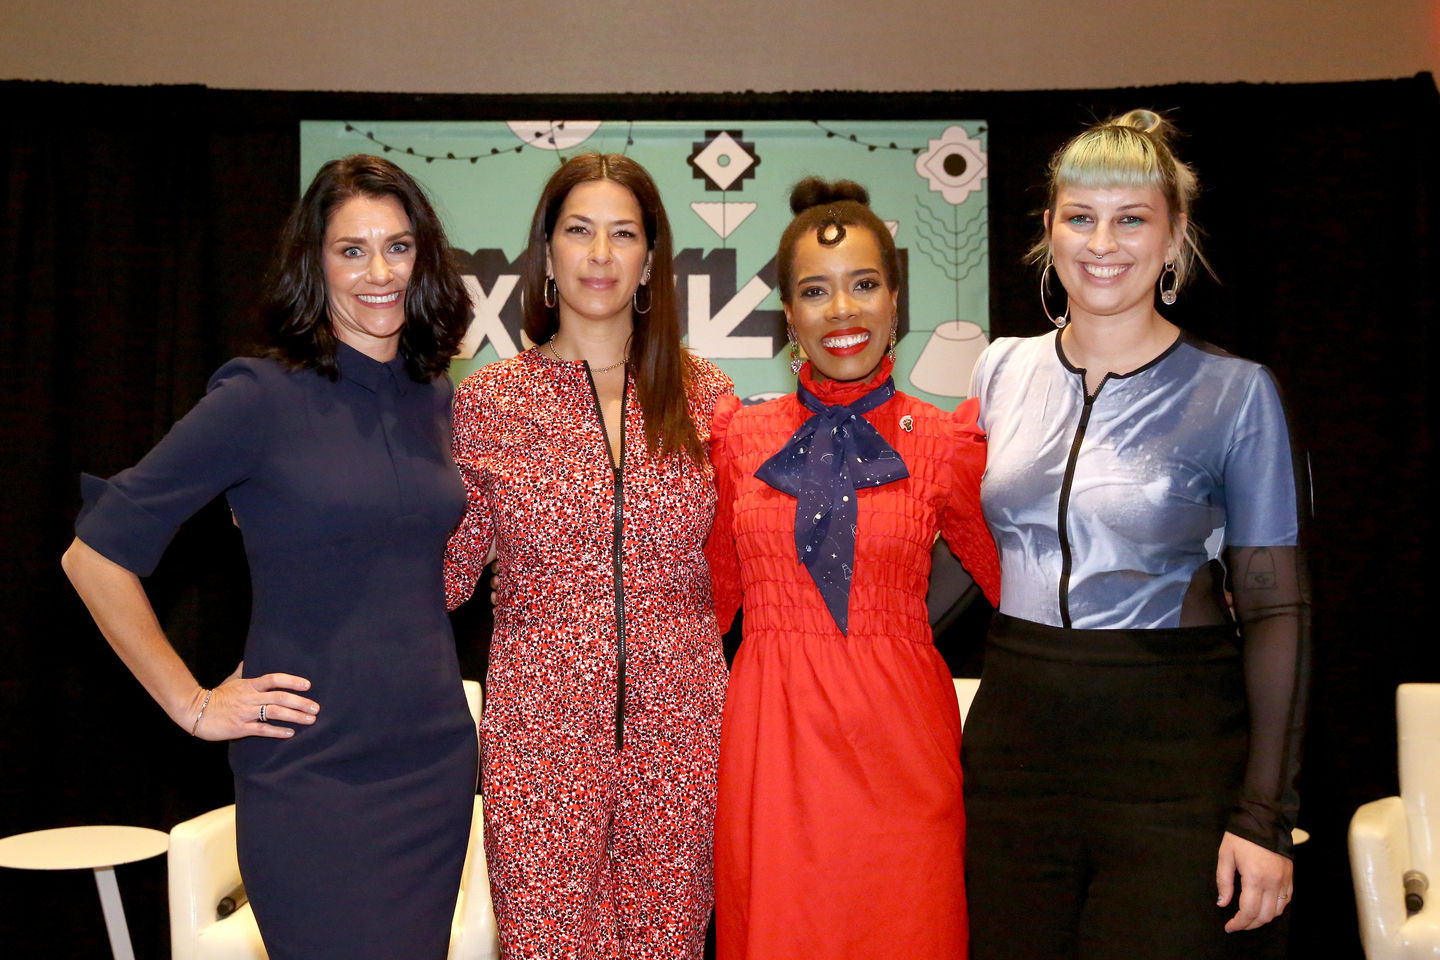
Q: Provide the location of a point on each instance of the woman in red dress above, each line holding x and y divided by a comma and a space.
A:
584, 460
840, 830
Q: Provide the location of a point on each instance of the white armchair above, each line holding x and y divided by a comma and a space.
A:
203, 869
1397, 837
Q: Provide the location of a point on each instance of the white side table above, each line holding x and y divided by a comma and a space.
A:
89, 848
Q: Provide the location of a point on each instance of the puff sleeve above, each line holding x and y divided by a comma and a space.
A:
961, 522
720, 551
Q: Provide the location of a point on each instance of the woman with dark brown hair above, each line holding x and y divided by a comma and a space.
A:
334, 454
584, 460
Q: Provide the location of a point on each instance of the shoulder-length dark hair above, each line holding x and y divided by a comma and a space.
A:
295, 310
658, 359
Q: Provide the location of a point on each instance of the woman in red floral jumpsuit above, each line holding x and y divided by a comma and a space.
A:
583, 459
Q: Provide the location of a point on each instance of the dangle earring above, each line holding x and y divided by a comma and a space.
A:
1168, 296
795, 362
550, 293
1062, 319
894, 325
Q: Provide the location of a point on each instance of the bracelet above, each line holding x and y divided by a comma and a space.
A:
196, 726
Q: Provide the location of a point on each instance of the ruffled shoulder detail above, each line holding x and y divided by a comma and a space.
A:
966, 419
725, 409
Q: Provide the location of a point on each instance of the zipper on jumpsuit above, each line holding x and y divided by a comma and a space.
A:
617, 548
1065, 557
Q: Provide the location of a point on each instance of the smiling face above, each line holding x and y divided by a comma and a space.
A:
841, 309
369, 256
598, 254
1109, 246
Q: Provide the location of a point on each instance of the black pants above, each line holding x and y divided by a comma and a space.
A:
1100, 766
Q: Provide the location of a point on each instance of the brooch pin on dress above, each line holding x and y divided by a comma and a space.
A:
907, 423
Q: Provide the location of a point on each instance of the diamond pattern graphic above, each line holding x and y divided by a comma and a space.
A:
723, 159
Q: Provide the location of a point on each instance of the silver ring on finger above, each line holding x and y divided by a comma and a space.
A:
263, 720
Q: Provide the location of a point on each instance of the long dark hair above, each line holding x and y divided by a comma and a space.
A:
658, 359
295, 311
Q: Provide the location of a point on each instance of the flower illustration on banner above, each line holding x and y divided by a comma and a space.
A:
955, 165
723, 159
553, 134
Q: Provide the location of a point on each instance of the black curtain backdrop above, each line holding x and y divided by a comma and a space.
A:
138, 227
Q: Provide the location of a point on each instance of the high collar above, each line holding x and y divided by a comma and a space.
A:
369, 372
845, 392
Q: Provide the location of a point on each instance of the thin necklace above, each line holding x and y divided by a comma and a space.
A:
556, 354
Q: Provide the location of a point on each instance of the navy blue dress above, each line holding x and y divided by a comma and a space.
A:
352, 833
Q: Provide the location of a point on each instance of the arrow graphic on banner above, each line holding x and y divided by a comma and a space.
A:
710, 335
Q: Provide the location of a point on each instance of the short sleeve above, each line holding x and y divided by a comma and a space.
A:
979, 384
132, 517
720, 551
961, 522
1260, 491
468, 545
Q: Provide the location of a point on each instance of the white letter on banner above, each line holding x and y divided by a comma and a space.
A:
710, 336
487, 317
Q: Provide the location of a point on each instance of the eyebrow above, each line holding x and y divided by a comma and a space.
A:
582, 217
389, 239
853, 273
1085, 206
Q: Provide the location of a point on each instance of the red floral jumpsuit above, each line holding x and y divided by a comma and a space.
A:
601, 731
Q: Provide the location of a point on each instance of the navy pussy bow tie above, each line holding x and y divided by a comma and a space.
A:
834, 453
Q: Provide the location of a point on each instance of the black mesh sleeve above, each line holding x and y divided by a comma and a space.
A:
1272, 603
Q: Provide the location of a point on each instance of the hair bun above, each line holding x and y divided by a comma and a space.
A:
1148, 121
815, 192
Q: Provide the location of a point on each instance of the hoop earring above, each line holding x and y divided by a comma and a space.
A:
550, 293
1169, 296
649, 299
795, 362
894, 324
1044, 274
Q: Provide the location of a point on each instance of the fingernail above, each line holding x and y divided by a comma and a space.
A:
1219, 901
289, 732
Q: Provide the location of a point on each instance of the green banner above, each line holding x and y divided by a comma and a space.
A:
726, 187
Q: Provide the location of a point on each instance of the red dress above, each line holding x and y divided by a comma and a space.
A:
840, 831
596, 848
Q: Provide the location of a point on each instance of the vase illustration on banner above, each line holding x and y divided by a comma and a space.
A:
948, 359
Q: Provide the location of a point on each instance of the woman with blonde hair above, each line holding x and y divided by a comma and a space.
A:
1133, 750
584, 462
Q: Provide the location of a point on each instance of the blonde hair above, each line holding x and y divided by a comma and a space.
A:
1132, 150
